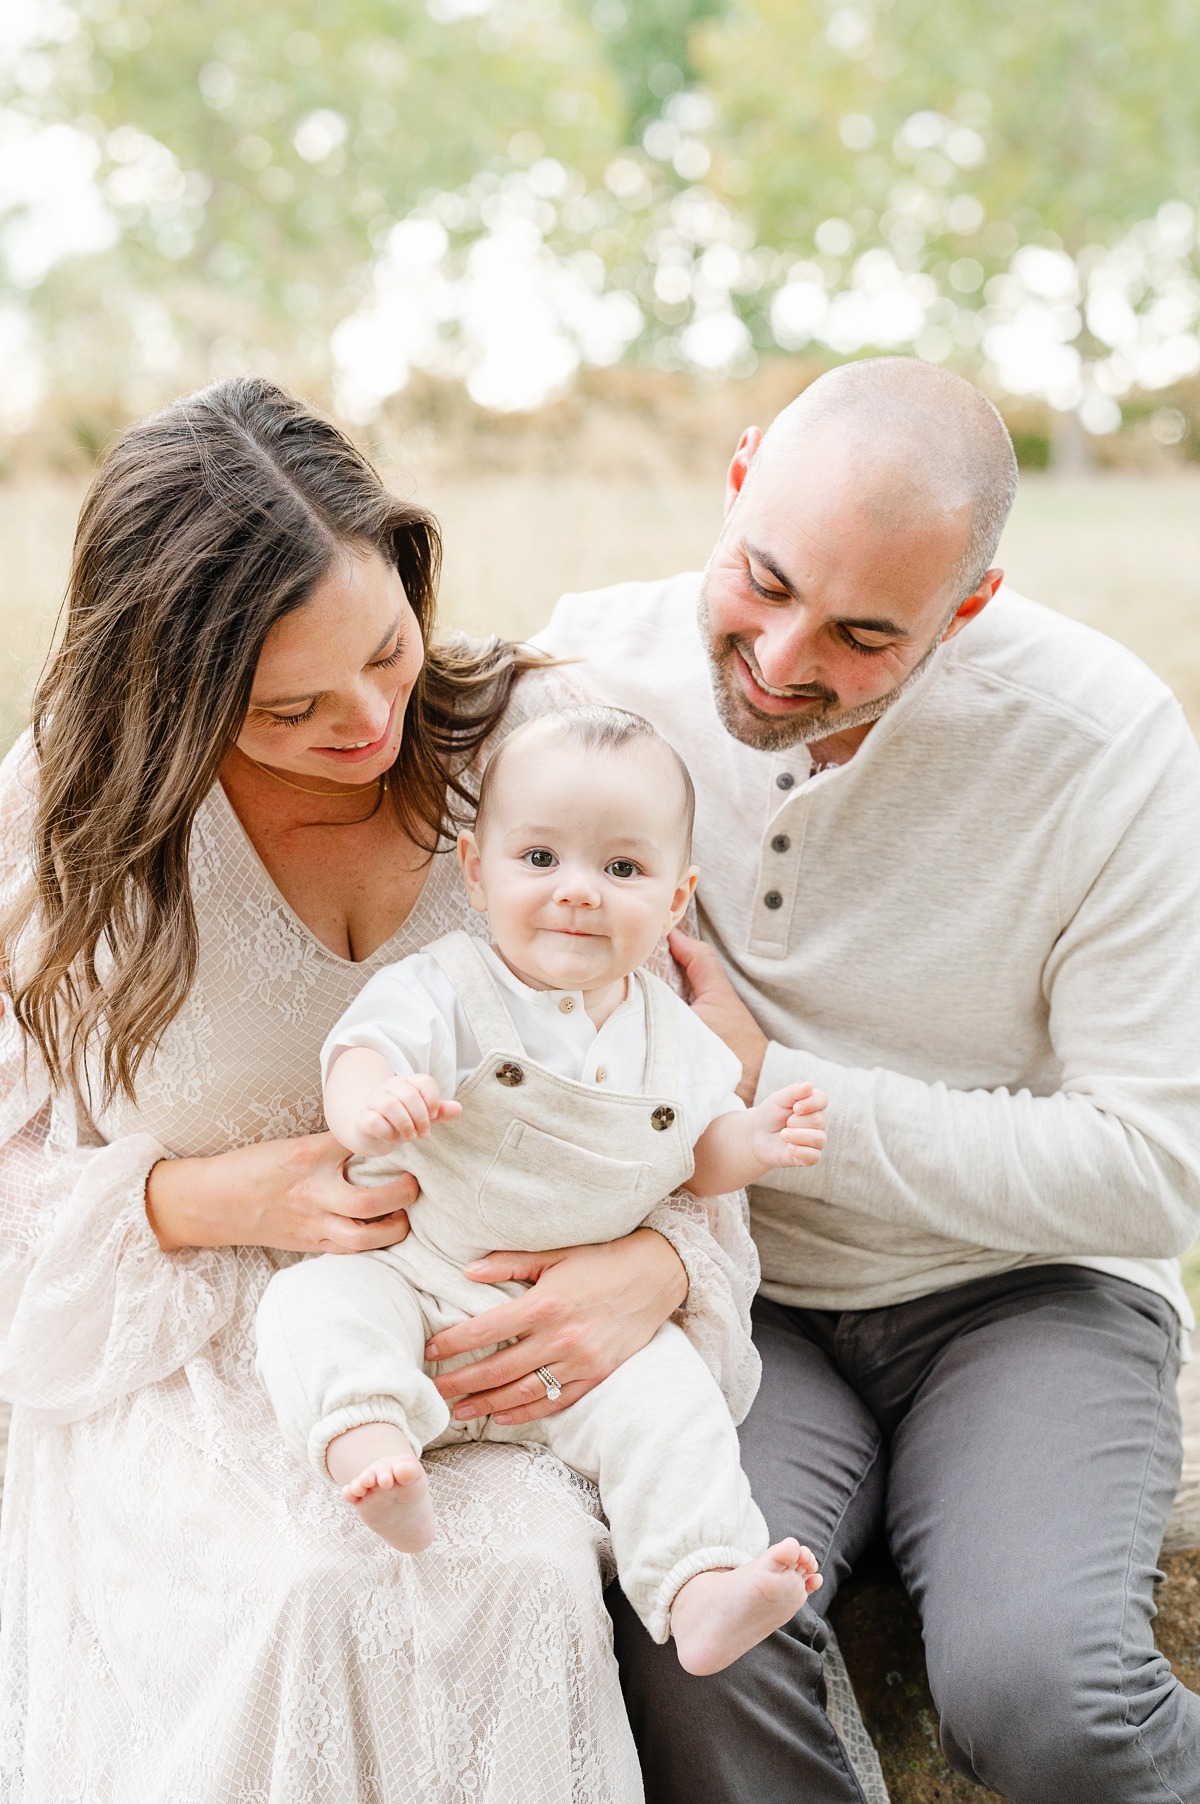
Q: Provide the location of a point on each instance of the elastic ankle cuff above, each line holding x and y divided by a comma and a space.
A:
657, 1617
356, 1415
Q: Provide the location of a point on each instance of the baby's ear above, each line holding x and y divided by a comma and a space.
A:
472, 869
682, 899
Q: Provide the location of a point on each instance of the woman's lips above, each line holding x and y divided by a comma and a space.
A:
359, 754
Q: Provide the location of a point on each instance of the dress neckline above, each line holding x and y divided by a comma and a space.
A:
382, 953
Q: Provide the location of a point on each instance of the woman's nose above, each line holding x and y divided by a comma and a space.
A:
362, 720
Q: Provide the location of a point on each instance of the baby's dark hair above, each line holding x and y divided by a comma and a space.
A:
599, 729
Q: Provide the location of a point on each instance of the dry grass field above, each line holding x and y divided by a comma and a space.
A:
1121, 552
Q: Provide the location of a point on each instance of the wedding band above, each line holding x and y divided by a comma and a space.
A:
553, 1387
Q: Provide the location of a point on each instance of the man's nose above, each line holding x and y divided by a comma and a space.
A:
786, 652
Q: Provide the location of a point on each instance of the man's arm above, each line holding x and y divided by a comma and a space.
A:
1107, 1165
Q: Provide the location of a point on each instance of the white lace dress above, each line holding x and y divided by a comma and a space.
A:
188, 1615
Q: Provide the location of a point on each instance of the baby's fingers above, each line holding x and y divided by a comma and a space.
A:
446, 1111
378, 1126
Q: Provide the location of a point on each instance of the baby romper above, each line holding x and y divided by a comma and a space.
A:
535, 1161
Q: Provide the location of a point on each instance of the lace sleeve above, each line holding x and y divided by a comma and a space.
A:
90, 1306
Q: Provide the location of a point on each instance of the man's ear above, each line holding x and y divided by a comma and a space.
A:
739, 468
685, 890
975, 604
472, 870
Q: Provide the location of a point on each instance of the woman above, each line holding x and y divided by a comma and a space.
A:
245, 754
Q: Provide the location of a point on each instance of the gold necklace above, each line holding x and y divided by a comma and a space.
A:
329, 795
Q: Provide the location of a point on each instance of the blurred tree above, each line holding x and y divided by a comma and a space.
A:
649, 43
255, 158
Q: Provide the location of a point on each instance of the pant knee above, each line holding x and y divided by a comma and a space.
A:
1042, 1731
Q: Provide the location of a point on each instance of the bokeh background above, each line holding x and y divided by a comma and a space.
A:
546, 258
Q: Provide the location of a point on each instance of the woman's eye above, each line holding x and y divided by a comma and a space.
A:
540, 859
393, 657
292, 720
621, 867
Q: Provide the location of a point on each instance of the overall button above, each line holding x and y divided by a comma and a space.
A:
773, 899
784, 780
567, 1004
781, 843
601, 1074
512, 1075
662, 1118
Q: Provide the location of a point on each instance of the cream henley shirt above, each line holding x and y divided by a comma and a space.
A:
981, 936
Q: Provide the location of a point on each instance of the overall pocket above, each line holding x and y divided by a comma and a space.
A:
540, 1192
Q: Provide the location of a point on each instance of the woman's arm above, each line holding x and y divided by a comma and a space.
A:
588, 1310
91, 1305
591, 1308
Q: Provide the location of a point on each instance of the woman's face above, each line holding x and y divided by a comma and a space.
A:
334, 677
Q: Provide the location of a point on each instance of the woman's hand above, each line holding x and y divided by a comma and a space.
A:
288, 1194
720, 1007
589, 1309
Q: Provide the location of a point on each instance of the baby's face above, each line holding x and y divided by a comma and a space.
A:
581, 863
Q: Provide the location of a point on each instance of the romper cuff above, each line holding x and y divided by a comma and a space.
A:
657, 1617
357, 1415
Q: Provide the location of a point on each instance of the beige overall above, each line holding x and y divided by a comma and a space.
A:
534, 1161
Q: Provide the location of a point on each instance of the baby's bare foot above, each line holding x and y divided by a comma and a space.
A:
719, 1616
392, 1497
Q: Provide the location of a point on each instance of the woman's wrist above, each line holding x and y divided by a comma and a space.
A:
667, 1264
173, 1187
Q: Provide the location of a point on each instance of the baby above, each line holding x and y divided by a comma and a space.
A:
547, 1091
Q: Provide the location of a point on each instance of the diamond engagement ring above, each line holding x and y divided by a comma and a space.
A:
553, 1387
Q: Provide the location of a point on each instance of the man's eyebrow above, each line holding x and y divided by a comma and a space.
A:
888, 627
290, 701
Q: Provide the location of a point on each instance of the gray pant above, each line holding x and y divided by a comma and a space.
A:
1018, 1440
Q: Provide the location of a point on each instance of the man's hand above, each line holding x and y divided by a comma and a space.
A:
720, 1007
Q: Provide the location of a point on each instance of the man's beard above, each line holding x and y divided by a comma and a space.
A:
769, 733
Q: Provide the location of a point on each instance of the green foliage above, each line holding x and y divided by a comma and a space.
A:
1086, 118
300, 136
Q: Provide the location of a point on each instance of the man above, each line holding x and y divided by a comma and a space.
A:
948, 844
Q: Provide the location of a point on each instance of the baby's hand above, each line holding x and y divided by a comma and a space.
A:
403, 1108
788, 1128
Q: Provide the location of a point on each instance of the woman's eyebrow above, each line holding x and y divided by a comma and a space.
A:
312, 695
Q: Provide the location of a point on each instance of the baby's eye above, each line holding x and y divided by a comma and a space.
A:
622, 867
541, 858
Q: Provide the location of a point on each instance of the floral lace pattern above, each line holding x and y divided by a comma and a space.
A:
188, 1615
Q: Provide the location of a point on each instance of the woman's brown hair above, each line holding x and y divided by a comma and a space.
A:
205, 525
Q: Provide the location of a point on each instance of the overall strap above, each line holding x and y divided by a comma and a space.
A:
662, 1035
489, 1020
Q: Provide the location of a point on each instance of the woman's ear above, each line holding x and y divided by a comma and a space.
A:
472, 870
684, 892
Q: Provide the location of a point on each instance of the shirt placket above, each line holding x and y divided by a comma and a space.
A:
779, 861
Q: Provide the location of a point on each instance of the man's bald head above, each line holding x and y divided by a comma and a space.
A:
924, 442
858, 537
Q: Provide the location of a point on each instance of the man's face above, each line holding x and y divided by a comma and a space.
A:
821, 602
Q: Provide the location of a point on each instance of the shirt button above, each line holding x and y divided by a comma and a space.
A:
773, 899
567, 1004
784, 780
780, 843
601, 1074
